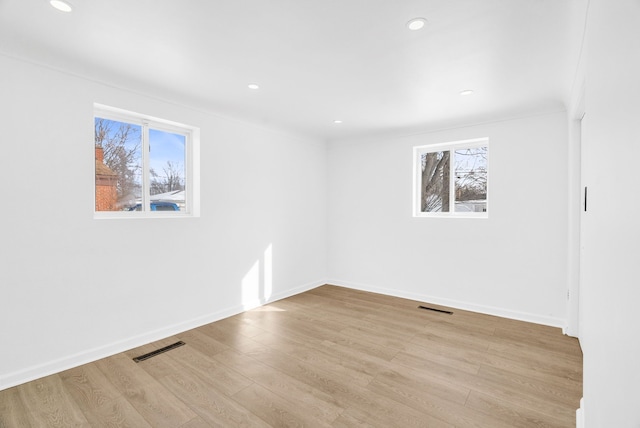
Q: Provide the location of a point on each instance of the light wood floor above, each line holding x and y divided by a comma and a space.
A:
330, 357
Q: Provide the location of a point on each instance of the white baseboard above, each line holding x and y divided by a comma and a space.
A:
458, 304
571, 330
35, 372
580, 415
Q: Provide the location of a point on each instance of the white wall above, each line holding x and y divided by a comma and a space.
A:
512, 264
74, 289
610, 288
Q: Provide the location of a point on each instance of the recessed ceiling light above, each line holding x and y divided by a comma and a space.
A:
253, 86
466, 92
416, 23
61, 5
338, 121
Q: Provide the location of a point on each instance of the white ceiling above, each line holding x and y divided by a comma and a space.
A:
316, 60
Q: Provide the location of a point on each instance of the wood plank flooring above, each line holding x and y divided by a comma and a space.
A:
330, 357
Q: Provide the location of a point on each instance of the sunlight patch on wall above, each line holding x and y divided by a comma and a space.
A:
251, 287
268, 273
257, 283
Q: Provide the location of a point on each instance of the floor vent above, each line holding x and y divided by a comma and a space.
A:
158, 352
436, 310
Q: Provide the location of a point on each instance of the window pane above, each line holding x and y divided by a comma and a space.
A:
167, 170
435, 182
118, 149
471, 179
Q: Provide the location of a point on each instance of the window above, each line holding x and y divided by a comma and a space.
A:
451, 179
144, 166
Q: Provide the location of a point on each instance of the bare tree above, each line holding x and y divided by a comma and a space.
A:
471, 174
121, 144
470, 171
435, 181
171, 178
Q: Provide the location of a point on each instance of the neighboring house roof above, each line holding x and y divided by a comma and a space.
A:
173, 196
102, 169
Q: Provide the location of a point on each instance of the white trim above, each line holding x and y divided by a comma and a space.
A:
457, 304
119, 215
192, 185
9, 380
574, 216
123, 115
459, 144
575, 113
146, 168
580, 415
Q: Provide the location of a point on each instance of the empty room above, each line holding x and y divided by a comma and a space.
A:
355, 213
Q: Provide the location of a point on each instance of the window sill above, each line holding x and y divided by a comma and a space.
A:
126, 215
452, 215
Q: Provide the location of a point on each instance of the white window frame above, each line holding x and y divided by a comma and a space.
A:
192, 162
418, 151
